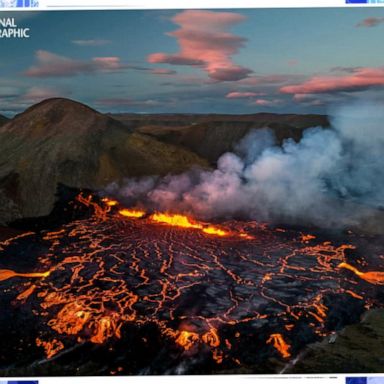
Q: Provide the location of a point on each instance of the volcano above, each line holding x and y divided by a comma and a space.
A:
95, 283
63, 141
119, 290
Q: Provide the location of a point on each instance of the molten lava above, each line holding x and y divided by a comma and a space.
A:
109, 202
215, 231
175, 220
187, 339
372, 277
280, 344
6, 274
134, 213
185, 222
51, 347
184, 283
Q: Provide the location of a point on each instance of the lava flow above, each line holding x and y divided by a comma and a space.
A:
6, 274
185, 222
131, 213
279, 344
177, 220
371, 277
227, 294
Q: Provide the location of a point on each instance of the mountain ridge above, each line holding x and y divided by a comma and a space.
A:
3, 120
61, 141
211, 135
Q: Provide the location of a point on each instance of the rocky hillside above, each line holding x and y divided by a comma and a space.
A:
59, 141
3, 120
210, 136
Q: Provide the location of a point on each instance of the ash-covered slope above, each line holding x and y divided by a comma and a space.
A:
212, 135
62, 141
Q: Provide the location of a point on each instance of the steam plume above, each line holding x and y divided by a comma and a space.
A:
329, 178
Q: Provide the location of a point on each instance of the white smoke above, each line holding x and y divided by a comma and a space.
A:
329, 178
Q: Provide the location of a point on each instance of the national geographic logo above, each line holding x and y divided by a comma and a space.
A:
10, 30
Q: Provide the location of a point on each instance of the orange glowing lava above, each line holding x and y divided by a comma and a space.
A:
24, 295
109, 202
185, 222
175, 220
6, 274
51, 347
215, 231
187, 339
376, 278
71, 319
128, 266
307, 238
134, 213
211, 338
279, 344
105, 328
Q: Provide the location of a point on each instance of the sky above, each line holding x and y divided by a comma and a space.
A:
236, 61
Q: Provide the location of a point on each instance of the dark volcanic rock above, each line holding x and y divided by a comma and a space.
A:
62, 141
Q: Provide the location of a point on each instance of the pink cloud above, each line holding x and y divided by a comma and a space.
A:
241, 95
204, 41
267, 103
52, 65
358, 79
107, 63
371, 22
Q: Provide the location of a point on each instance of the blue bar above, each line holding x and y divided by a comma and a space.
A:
22, 382
356, 380
356, 1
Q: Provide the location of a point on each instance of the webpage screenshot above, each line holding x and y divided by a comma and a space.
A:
191, 189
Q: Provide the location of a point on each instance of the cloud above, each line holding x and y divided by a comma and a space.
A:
17, 99
358, 79
52, 65
8, 91
241, 95
107, 63
371, 22
344, 69
36, 94
309, 99
91, 43
127, 102
273, 79
204, 41
267, 103
163, 71
173, 59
